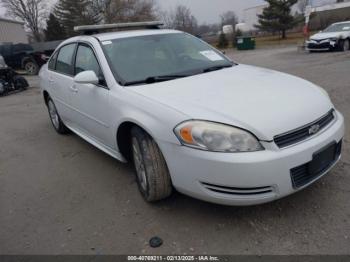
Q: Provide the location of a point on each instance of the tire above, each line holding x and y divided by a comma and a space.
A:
152, 173
31, 68
345, 45
2, 89
55, 118
20, 83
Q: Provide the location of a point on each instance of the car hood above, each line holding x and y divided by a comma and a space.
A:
321, 36
263, 101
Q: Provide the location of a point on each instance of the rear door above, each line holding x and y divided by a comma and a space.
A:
61, 81
91, 102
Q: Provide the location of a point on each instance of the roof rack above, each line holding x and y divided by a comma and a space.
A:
94, 29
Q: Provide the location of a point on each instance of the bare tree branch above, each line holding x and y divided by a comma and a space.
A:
181, 18
30, 11
115, 11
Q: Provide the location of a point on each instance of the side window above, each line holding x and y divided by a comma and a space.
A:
65, 59
86, 60
52, 62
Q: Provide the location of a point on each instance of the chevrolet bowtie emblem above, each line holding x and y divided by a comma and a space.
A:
314, 129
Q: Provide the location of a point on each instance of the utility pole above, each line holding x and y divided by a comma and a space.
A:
308, 11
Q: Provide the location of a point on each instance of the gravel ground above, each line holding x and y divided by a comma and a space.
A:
60, 195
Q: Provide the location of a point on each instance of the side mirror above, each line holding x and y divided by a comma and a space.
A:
86, 77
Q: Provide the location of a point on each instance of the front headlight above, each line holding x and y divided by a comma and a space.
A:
216, 137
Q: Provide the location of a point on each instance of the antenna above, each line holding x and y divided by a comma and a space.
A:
94, 29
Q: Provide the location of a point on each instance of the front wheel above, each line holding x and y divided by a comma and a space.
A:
345, 45
152, 173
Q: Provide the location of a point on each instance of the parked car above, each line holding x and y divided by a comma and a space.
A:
334, 37
191, 119
22, 56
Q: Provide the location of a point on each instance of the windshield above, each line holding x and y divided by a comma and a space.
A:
135, 60
338, 27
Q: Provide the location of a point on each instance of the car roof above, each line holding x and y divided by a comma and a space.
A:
133, 33
120, 34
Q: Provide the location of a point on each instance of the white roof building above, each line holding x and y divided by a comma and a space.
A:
12, 31
331, 6
250, 16
323, 16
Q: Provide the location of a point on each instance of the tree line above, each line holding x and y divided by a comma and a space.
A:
61, 19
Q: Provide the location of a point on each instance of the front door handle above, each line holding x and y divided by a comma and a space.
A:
73, 89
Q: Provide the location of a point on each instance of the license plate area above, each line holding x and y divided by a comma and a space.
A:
323, 159
321, 162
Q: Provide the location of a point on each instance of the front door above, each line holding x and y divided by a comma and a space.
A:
91, 102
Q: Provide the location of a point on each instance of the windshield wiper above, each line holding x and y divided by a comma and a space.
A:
155, 79
163, 78
215, 68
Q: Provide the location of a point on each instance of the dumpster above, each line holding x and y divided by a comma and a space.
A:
245, 43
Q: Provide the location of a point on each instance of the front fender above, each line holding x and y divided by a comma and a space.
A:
156, 119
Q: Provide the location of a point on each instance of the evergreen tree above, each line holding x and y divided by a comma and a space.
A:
223, 42
276, 17
71, 13
54, 30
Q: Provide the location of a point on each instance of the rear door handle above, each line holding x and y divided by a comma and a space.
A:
51, 80
74, 89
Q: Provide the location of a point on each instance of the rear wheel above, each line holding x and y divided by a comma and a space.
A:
152, 173
55, 118
31, 68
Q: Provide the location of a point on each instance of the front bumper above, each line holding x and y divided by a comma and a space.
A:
245, 178
324, 45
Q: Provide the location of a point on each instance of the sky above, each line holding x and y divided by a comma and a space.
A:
208, 11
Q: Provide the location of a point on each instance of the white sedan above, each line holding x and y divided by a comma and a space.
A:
334, 37
191, 119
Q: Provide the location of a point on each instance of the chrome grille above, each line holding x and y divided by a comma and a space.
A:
303, 133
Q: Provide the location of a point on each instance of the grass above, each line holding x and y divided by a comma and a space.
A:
296, 39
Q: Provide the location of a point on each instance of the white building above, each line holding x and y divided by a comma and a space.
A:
250, 16
323, 16
331, 6
12, 31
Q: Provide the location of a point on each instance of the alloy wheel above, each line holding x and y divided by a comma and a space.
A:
54, 115
139, 164
30, 68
